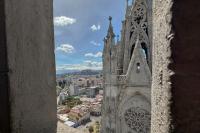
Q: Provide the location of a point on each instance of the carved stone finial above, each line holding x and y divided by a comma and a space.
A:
110, 29
104, 39
110, 18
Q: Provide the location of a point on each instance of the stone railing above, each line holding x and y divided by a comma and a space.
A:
121, 79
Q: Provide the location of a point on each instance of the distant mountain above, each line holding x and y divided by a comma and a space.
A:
88, 72
61, 72
78, 72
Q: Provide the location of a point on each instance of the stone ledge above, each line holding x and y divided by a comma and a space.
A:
61, 128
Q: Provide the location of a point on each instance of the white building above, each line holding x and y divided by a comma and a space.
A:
74, 90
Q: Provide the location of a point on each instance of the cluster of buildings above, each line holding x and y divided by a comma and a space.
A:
81, 114
78, 85
88, 90
89, 86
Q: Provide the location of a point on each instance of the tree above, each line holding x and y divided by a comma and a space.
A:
91, 130
97, 127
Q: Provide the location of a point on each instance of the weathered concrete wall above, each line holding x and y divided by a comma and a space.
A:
4, 100
31, 65
161, 91
176, 61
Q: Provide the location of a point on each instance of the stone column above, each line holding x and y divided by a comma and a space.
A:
27, 66
176, 66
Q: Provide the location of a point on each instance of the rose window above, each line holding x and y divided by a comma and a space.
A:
138, 119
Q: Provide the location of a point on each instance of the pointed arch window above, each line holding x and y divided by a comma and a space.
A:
144, 49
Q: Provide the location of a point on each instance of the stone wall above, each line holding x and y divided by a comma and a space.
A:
176, 61
30, 59
4, 104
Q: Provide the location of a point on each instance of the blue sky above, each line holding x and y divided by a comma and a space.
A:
79, 28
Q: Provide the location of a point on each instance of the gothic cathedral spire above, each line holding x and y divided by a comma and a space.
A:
110, 29
127, 3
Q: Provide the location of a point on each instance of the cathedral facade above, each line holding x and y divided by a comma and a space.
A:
127, 73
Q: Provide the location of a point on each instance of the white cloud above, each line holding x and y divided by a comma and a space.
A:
95, 43
67, 48
98, 54
63, 21
85, 65
95, 27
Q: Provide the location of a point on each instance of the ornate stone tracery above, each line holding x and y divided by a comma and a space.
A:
139, 13
138, 119
143, 37
139, 27
121, 79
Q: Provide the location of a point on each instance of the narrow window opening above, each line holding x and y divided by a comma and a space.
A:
145, 50
131, 35
132, 49
138, 67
